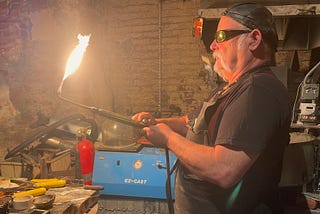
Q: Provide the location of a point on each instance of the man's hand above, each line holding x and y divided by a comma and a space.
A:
158, 134
144, 118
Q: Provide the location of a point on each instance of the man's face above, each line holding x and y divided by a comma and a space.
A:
227, 53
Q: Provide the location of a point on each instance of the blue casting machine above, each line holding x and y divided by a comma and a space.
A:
125, 168
138, 174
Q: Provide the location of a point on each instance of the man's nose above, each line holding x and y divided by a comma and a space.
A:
213, 45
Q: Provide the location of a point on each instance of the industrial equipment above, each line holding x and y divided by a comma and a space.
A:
306, 105
139, 174
51, 151
131, 171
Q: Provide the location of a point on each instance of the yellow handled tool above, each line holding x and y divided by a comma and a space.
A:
37, 180
51, 184
33, 192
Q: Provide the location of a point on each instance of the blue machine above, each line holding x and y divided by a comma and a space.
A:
138, 174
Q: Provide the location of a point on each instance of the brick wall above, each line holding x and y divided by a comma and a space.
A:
149, 78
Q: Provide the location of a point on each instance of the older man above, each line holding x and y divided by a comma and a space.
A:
231, 149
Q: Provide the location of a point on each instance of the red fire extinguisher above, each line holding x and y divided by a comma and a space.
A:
86, 154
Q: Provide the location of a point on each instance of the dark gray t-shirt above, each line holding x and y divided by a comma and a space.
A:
255, 117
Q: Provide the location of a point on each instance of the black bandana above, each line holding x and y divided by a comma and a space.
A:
254, 16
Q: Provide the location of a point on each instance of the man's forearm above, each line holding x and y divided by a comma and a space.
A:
177, 124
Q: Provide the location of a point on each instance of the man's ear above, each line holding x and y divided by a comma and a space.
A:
255, 39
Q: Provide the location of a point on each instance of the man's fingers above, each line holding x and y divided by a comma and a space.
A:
144, 141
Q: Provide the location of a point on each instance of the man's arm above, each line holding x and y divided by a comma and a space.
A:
177, 124
220, 164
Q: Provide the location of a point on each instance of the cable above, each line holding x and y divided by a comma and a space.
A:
295, 103
168, 184
168, 181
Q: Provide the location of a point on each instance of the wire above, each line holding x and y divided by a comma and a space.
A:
168, 183
311, 73
295, 103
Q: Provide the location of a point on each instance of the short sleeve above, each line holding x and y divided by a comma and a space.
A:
249, 121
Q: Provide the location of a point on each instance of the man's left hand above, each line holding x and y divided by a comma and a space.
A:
158, 134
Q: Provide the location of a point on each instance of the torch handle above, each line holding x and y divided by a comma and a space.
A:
117, 117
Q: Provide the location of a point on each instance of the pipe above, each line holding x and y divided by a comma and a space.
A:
105, 113
160, 56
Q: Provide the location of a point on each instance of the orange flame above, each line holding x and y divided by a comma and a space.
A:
76, 55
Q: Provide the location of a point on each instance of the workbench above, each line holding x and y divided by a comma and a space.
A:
69, 200
73, 200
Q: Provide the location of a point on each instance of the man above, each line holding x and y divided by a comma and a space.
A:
231, 150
